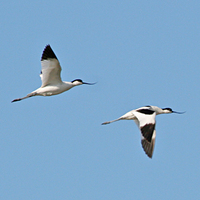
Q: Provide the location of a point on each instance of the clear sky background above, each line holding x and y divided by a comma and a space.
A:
140, 53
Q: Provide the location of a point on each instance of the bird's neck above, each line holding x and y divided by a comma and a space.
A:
67, 85
158, 110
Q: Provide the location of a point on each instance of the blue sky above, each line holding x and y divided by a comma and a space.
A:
140, 53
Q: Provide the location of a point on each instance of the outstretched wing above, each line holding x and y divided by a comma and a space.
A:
146, 123
149, 146
50, 73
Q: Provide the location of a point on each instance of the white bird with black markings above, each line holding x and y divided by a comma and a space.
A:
144, 117
50, 77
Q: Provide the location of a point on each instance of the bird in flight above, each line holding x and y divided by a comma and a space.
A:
144, 117
50, 77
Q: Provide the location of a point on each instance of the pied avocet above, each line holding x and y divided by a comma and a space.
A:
50, 77
144, 117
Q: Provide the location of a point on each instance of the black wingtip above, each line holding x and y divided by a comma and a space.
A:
48, 53
148, 147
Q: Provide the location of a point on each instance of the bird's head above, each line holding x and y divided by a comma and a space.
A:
80, 82
169, 110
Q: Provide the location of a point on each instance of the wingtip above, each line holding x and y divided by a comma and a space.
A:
148, 147
48, 53
150, 156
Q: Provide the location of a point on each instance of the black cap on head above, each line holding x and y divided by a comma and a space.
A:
167, 109
79, 80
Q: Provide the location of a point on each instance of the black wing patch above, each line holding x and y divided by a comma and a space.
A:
145, 111
147, 131
148, 147
48, 53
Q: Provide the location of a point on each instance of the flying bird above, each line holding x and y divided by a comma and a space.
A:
144, 117
50, 77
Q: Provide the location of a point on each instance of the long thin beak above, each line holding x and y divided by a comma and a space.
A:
178, 112
89, 83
